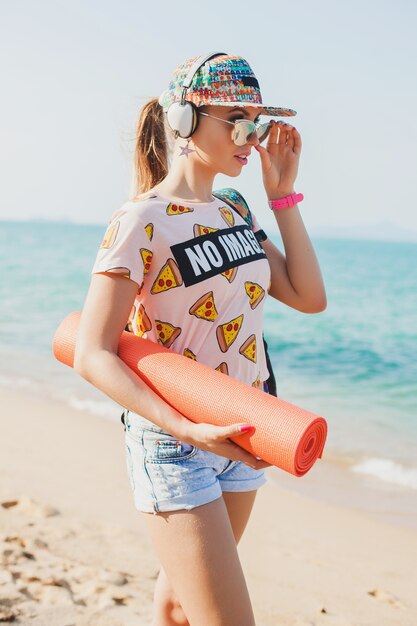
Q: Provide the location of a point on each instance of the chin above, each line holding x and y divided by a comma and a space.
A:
231, 172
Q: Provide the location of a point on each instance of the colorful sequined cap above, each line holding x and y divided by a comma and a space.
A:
225, 80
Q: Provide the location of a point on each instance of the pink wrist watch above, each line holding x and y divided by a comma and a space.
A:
287, 201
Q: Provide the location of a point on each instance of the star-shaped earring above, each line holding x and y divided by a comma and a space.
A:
185, 150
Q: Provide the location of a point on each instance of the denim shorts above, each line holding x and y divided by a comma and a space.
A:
167, 474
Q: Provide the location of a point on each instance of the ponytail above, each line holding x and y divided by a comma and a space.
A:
151, 150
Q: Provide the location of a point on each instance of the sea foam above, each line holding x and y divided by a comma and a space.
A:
389, 471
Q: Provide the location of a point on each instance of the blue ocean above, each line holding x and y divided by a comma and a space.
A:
354, 363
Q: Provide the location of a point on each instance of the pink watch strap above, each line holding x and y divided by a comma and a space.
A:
287, 201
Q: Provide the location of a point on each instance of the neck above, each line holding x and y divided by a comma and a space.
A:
189, 178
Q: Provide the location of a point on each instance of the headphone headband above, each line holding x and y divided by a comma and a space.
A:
182, 114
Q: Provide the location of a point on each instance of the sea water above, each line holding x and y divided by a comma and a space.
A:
354, 363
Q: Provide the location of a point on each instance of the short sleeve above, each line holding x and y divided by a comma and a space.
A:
257, 229
125, 248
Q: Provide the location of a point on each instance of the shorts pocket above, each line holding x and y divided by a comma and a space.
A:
164, 448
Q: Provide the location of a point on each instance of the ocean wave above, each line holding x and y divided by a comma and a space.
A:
388, 471
17, 382
104, 408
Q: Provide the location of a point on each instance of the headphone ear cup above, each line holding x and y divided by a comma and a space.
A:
195, 118
183, 118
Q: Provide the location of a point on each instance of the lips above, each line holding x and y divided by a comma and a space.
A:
242, 157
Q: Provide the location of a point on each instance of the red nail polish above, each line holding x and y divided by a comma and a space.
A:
245, 428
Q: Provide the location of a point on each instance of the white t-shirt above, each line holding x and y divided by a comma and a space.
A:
202, 280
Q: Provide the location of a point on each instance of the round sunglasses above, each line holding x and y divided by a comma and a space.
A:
244, 130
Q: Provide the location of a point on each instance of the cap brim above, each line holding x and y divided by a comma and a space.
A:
273, 111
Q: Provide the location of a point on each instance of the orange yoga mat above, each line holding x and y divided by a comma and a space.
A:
285, 435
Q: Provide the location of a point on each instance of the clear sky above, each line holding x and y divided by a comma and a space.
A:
77, 72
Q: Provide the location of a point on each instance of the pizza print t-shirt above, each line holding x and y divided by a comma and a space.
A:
202, 280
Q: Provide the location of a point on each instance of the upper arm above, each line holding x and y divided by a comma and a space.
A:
281, 288
118, 271
106, 310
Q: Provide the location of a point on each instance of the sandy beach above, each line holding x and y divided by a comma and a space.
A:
74, 549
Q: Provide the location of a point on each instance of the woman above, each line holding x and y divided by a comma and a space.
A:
173, 266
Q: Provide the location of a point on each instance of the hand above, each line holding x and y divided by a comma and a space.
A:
280, 160
216, 439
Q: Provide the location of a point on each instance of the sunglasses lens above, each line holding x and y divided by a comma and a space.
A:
263, 131
243, 132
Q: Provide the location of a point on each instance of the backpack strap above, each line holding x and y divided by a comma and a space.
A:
236, 201
233, 198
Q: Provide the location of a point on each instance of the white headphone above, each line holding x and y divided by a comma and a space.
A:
182, 115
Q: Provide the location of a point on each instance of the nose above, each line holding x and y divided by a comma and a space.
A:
253, 139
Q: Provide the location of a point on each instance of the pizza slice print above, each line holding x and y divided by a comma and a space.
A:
204, 308
110, 235
167, 333
149, 230
257, 382
189, 354
227, 215
169, 277
227, 333
146, 258
230, 274
223, 368
248, 348
203, 230
142, 321
178, 209
255, 292
129, 326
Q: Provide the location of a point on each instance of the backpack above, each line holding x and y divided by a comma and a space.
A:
235, 200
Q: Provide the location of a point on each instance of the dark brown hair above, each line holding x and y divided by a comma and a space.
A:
150, 163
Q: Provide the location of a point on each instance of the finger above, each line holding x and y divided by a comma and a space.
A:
250, 459
256, 463
290, 139
236, 429
246, 457
242, 429
262, 464
297, 141
236, 453
264, 156
283, 134
273, 133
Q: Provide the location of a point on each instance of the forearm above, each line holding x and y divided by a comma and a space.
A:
302, 265
106, 371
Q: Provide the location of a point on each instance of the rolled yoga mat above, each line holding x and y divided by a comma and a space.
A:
285, 435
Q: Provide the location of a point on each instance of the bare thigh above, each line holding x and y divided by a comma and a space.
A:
239, 506
197, 549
